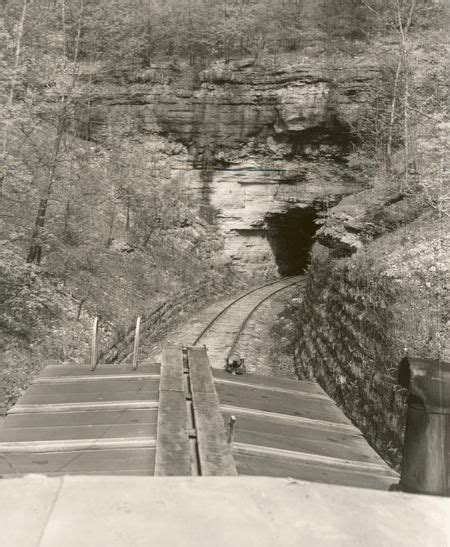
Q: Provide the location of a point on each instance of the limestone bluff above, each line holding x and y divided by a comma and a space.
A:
262, 146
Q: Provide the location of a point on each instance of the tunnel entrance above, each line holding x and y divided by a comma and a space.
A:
290, 235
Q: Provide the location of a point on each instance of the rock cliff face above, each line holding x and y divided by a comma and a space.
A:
261, 148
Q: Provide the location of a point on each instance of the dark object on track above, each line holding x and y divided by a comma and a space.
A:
235, 364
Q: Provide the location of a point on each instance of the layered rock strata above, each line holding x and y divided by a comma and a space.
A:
254, 141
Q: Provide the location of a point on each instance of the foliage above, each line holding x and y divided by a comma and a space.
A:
105, 229
402, 135
140, 32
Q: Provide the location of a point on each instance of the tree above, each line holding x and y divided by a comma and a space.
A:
344, 20
13, 80
63, 114
402, 129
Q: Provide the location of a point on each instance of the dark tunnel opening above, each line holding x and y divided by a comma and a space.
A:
290, 235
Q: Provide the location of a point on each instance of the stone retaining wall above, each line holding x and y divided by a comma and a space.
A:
346, 343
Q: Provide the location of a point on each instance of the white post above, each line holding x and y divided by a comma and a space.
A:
231, 429
137, 333
94, 344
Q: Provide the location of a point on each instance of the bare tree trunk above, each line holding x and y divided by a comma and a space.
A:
127, 212
65, 272
111, 227
35, 250
406, 133
403, 30
66, 220
147, 238
259, 48
392, 117
83, 300
63, 17
13, 80
18, 49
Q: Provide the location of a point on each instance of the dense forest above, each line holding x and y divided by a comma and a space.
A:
102, 228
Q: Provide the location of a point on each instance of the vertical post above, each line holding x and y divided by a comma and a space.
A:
425, 465
137, 334
94, 344
231, 429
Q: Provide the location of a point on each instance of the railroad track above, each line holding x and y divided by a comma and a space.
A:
223, 333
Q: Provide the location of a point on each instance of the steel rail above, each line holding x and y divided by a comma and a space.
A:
252, 311
226, 308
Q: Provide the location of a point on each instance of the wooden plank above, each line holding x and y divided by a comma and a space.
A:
119, 461
281, 455
31, 397
75, 444
271, 466
125, 472
246, 397
61, 371
288, 418
214, 450
103, 385
271, 389
270, 381
87, 378
71, 419
66, 432
302, 437
172, 369
86, 406
172, 451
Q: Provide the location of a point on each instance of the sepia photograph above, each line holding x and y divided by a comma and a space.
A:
224, 273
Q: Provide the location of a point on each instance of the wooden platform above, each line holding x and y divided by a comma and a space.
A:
174, 421
74, 421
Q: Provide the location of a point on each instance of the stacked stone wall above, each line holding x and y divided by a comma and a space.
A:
346, 342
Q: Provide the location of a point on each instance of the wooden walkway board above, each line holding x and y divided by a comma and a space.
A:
308, 438
110, 431
115, 461
77, 419
293, 430
91, 391
62, 371
214, 450
173, 454
271, 382
275, 401
270, 465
